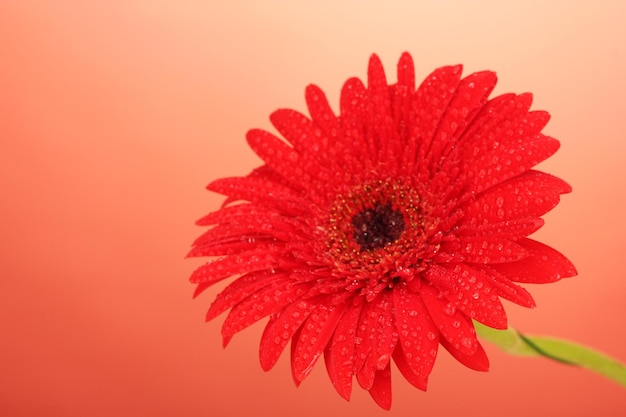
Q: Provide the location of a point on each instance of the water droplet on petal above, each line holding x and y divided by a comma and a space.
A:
383, 360
467, 342
449, 309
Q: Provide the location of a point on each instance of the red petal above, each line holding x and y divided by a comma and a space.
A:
280, 330
266, 173
311, 142
406, 72
473, 295
255, 234
200, 289
441, 84
266, 301
315, 335
403, 117
509, 229
542, 265
253, 225
516, 149
285, 160
353, 105
366, 374
293, 351
243, 231
375, 340
418, 381
484, 249
339, 354
417, 333
504, 140
235, 214
242, 288
498, 111
470, 96
478, 361
505, 288
216, 270
440, 278
381, 133
233, 247
452, 324
529, 195
260, 191
381, 388
387, 336
299, 130
321, 113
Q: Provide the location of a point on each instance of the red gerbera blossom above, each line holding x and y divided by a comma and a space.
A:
382, 232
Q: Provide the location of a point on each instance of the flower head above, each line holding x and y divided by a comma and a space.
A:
377, 235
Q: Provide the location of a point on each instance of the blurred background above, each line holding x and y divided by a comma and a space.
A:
114, 115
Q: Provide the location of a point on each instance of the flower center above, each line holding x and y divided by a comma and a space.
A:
377, 234
377, 227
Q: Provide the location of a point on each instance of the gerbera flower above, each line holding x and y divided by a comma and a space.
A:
378, 234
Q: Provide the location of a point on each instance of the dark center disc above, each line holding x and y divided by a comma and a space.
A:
377, 227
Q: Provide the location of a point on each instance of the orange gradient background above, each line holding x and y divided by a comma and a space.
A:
114, 115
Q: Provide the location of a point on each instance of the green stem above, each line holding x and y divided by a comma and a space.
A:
516, 343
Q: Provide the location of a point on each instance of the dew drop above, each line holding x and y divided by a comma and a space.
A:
383, 360
467, 342
449, 310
